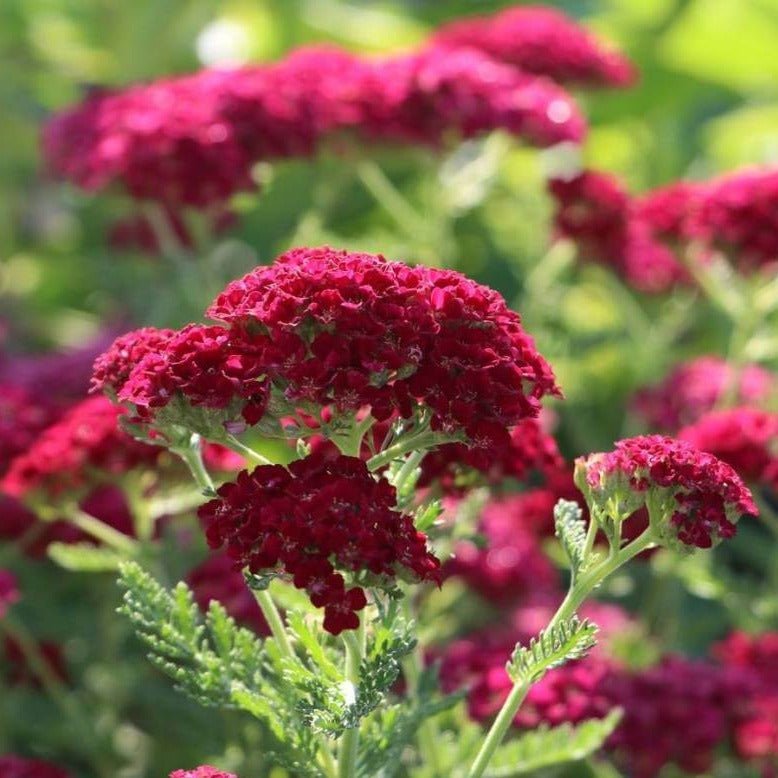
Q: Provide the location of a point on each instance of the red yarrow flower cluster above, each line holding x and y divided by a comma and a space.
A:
203, 771
641, 236
543, 41
755, 732
9, 592
677, 712
84, 447
738, 215
12, 766
693, 388
317, 519
705, 496
745, 438
193, 140
351, 330
217, 578
425, 98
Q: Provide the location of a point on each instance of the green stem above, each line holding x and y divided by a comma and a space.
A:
578, 592
101, 531
389, 198
422, 440
193, 459
173, 504
349, 744
241, 448
273, 618
413, 461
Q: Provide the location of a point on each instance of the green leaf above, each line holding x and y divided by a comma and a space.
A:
547, 747
571, 531
570, 639
84, 557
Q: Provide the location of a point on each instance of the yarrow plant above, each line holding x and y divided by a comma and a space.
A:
367, 366
360, 470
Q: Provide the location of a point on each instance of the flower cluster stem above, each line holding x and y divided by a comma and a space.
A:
101, 531
349, 744
241, 448
273, 618
577, 593
193, 459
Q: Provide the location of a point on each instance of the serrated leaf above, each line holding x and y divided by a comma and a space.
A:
547, 747
84, 557
568, 640
311, 644
571, 531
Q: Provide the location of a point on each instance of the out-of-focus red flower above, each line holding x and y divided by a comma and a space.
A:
81, 449
745, 438
511, 563
17, 670
544, 41
693, 388
12, 766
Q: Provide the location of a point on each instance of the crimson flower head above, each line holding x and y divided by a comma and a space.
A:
544, 41
85, 446
203, 771
348, 331
595, 211
512, 563
739, 216
315, 521
9, 593
693, 498
693, 388
23, 416
12, 766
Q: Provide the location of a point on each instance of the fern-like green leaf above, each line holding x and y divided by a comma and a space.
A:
570, 639
547, 747
571, 531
